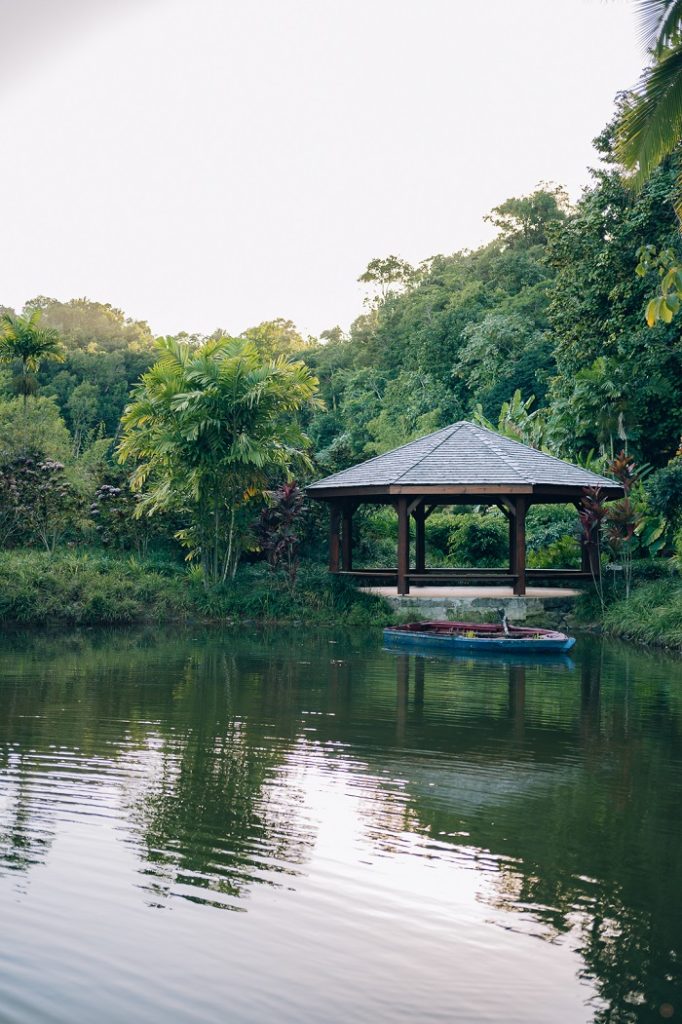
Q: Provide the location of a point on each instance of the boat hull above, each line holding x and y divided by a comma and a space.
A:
535, 642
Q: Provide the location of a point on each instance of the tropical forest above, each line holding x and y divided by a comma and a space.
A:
164, 477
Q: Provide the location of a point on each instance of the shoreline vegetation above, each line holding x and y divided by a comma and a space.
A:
92, 588
652, 616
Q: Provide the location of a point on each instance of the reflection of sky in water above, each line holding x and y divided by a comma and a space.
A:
393, 858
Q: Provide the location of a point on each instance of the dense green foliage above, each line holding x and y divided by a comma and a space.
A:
88, 587
652, 615
208, 428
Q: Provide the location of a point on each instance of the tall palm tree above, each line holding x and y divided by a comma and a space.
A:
22, 338
651, 126
209, 428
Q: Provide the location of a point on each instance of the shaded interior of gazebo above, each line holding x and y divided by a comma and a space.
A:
463, 464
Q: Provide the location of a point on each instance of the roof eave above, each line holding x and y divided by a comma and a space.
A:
548, 492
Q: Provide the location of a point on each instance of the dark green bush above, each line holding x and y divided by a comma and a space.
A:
563, 553
480, 540
437, 532
664, 493
548, 524
652, 615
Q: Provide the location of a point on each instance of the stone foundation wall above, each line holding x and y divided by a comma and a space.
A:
548, 612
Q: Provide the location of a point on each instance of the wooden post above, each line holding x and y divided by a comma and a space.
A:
419, 665
589, 554
517, 696
511, 523
347, 539
334, 546
584, 553
519, 546
420, 538
403, 546
402, 692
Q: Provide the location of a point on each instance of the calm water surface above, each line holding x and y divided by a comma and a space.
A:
282, 827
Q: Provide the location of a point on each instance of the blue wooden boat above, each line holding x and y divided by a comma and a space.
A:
485, 638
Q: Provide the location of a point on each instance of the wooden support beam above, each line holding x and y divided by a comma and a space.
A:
414, 505
347, 538
589, 549
419, 667
334, 537
519, 568
429, 510
403, 546
506, 506
420, 539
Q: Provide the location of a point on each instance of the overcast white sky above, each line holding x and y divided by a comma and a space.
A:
205, 163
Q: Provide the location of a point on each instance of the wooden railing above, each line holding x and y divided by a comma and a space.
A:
451, 575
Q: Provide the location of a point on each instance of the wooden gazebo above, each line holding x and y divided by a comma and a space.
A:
463, 464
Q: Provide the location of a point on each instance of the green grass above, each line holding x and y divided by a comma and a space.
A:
653, 615
89, 587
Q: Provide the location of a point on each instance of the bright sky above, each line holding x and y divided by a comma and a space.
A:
204, 163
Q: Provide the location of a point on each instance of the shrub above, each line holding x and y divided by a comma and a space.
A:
280, 528
548, 524
564, 553
652, 615
42, 430
664, 492
478, 540
113, 513
38, 502
437, 531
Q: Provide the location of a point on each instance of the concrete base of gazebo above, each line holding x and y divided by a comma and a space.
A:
458, 602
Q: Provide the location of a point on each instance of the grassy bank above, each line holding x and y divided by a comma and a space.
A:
94, 588
652, 615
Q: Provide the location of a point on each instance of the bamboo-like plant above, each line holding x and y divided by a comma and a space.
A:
592, 511
209, 427
22, 338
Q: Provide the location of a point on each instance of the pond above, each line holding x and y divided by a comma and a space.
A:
249, 826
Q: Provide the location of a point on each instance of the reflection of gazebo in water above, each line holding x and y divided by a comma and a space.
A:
463, 464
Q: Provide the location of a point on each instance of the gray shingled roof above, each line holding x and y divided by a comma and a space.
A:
463, 453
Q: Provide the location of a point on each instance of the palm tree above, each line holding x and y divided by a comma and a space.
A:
650, 128
209, 427
22, 338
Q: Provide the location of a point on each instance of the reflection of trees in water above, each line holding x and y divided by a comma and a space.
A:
208, 740
570, 782
51, 718
221, 812
587, 850
22, 843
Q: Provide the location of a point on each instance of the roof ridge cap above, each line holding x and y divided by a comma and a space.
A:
499, 454
555, 458
454, 427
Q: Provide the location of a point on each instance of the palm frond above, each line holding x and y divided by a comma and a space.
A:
659, 22
652, 126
